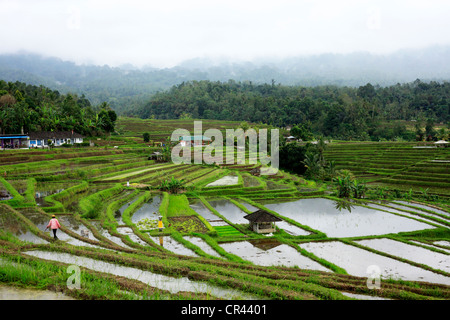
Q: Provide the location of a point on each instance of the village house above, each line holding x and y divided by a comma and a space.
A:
13, 141
58, 138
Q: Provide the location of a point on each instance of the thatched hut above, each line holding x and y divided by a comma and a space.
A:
262, 221
158, 156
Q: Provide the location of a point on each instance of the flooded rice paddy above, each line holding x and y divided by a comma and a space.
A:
229, 210
201, 209
286, 226
105, 233
357, 262
159, 281
224, 181
325, 216
318, 213
423, 216
149, 210
172, 245
418, 205
413, 253
43, 190
271, 253
202, 245
16, 293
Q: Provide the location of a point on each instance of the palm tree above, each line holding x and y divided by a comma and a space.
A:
3, 115
312, 164
331, 169
321, 145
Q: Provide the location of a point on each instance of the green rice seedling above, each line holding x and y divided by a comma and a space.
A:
91, 206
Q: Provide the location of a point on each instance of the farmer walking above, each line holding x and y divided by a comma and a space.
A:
54, 225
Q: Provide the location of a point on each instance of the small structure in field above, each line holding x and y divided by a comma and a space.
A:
262, 221
13, 141
441, 143
157, 156
256, 171
291, 138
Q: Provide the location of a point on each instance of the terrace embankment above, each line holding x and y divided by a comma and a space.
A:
206, 249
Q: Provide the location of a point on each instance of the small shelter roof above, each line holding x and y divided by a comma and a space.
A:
441, 142
261, 216
13, 136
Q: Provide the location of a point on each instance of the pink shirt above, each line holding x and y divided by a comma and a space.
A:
54, 224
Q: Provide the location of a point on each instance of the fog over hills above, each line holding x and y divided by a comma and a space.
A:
129, 85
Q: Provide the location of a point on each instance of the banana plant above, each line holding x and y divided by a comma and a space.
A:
344, 186
359, 189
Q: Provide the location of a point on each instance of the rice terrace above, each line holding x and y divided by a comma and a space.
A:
138, 226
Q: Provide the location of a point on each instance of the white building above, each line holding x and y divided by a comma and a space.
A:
58, 138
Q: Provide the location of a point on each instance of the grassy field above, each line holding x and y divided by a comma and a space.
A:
96, 198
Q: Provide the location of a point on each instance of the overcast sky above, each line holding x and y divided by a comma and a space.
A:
164, 33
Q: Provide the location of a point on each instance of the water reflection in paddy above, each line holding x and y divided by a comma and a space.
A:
286, 226
229, 210
41, 222
200, 208
9, 224
16, 293
356, 261
40, 195
163, 282
127, 231
172, 245
270, 252
120, 211
418, 205
323, 215
148, 210
414, 253
105, 233
383, 207
202, 245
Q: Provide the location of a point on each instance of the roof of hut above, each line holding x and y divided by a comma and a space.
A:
261, 216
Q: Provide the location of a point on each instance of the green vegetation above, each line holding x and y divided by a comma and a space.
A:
32, 108
91, 206
364, 113
173, 185
97, 198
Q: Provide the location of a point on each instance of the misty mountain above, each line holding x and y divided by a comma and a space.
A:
127, 87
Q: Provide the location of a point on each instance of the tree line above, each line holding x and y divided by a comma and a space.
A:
27, 108
363, 113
